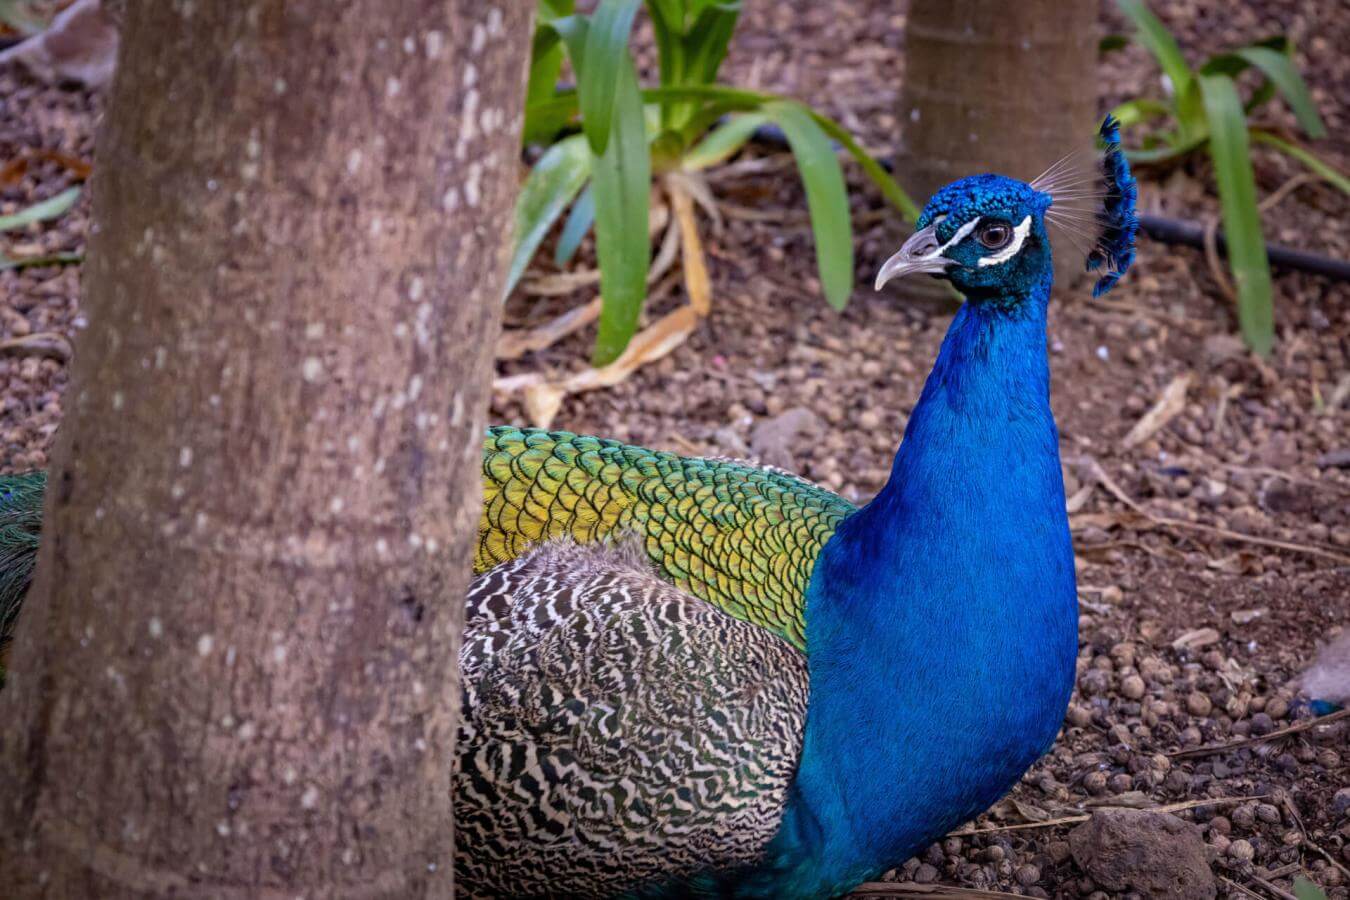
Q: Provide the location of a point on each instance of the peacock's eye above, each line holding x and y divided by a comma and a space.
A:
995, 235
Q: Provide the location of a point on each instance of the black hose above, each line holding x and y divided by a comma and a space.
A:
1192, 234
1163, 229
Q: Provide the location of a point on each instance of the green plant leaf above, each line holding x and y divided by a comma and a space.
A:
20, 16
622, 189
551, 185
1279, 68
546, 61
888, 186
1231, 152
1132, 112
46, 259
1306, 890
1318, 166
728, 99
723, 142
1153, 34
708, 40
45, 211
579, 222
598, 75
826, 197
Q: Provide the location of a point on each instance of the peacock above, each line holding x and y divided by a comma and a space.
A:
687, 676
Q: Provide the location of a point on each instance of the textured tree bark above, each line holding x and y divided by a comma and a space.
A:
236, 675
994, 86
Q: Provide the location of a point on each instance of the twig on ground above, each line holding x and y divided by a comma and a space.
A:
1297, 727
1083, 817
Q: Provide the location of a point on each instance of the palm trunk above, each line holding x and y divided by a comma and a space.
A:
236, 672
994, 86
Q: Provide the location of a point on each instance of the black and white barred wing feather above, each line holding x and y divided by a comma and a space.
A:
616, 733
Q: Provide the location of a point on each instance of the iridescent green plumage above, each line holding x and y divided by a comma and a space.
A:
740, 537
20, 525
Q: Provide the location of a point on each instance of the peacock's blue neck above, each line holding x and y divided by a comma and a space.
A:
941, 618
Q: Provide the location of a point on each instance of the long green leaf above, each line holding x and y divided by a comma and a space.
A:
722, 143
1153, 34
551, 185
598, 75
888, 186
1280, 69
740, 100
546, 60
826, 197
1141, 109
1229, 147
622, 186
579, 221
1319, 167
51, 208
46, 259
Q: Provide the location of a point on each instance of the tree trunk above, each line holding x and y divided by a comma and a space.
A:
236, 674
996, 86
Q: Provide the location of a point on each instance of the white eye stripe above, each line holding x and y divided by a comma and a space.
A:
1019, 235
961, 234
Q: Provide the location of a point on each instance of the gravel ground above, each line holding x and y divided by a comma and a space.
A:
1191, 636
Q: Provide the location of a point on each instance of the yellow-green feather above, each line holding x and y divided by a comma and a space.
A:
742, 538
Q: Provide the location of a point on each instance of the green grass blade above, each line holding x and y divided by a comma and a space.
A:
579, 222
46, 259
1231, 152
739, 100
888, 186
45, 211
598, 75
723, 142
551, 185
1318, 166
1153, 34
826, 197
1282, 72
1132, 112
622, 186
546, 60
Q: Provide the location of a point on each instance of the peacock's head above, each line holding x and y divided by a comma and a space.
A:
987, 233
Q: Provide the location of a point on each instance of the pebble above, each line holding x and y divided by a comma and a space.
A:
1132, 686
1197, 704
1242, 849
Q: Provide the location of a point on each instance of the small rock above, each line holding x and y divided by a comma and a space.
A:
1268, 813
925, 874
1277, 707
1340, 802
1262, 724
1242, 849
1079, 716
1132, 686
1027, 875
1198, 704
774, 440
1153, 853
1244, 817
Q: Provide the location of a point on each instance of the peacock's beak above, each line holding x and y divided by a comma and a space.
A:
921, 253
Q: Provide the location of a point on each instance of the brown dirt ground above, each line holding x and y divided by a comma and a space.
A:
1259, 449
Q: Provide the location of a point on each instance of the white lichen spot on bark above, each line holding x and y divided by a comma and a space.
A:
435, 43
185, 456
312, 369
205, 644
155, 627
310, 798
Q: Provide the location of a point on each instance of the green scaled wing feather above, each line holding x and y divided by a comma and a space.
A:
20, 525
742, 538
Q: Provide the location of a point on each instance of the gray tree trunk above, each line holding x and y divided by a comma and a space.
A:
996, 86
236, 672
